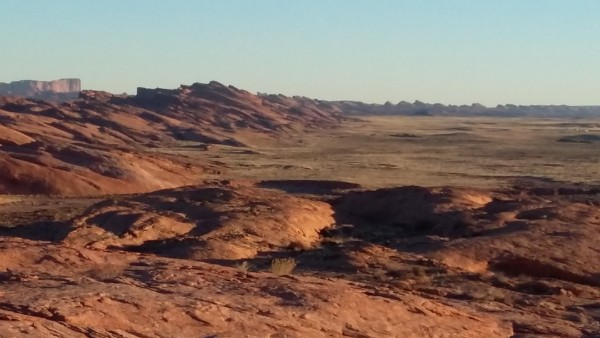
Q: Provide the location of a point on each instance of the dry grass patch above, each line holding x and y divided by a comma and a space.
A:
243, 266
283, 266
106, 271
5, 199
487, 293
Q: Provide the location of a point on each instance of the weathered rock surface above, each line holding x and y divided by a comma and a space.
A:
54, 291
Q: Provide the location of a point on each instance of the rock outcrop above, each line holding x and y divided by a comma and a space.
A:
219, 220
58, 90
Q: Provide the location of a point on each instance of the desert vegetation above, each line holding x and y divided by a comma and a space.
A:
283, 266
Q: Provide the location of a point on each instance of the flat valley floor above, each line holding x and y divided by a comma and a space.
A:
426, 151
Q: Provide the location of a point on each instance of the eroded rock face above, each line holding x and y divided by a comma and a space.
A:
58, 90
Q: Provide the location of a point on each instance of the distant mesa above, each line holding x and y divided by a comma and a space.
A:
58, 90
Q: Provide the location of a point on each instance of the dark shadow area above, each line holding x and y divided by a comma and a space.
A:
395, 217
187, 195
581, 138
311, 187
405, 135
182, 248
115, 222
516, 265
508, 228
416, 219
543, 186
51, 231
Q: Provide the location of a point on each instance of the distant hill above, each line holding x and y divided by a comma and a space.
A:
57, 91
419, 108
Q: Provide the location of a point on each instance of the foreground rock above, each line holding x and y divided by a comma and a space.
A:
512, 254
54, 291
518, 262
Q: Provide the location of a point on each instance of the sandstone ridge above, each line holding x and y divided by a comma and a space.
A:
104, 143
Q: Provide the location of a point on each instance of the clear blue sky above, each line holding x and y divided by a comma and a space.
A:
452, 51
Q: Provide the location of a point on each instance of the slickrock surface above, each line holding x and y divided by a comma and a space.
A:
56, 291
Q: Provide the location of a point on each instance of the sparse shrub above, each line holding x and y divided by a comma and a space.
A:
298, 246
476, 292
106, 271
283, 266
243, 266
419, 271
420, 275
501, 279
487, 293
194, 253
381, 275
577, 318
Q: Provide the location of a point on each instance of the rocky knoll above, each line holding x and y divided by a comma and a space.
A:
58, 90
218, 220
104, 143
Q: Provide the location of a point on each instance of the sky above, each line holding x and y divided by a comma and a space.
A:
447, 51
